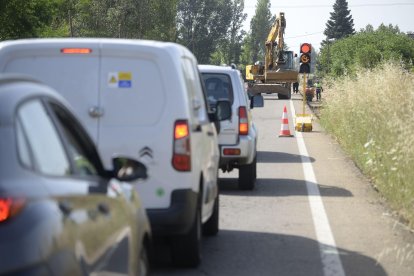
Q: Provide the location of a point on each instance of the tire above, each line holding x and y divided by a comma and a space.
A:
211, 227
247, 176
284, 97
186, 249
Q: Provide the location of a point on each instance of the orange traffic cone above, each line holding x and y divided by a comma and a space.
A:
284, 127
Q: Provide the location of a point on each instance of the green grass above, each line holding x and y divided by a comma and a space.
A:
372, 117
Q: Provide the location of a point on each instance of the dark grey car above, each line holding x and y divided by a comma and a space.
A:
61, 213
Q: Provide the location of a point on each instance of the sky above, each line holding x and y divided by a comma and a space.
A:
306, 20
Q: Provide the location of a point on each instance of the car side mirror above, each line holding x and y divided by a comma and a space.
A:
223, 110
256, 101
126, 169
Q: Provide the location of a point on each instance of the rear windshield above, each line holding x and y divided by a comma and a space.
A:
218, 87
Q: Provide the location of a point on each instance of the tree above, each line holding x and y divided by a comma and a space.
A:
202, 24
229, 48
143, 19
340, 24
25, 19
366, 50
260, 26
164, 19
246, 52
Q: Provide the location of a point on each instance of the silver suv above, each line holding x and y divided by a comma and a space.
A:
238, 135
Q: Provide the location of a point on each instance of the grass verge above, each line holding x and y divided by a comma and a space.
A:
372, 117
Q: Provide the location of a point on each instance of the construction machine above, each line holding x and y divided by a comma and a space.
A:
278, 72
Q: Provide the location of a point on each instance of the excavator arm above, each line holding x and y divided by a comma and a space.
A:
275, 39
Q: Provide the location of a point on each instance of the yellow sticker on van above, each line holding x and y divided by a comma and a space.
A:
120, 79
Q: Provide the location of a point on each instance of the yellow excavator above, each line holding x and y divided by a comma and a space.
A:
278, 72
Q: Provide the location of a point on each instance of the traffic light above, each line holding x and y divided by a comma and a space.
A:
305, 58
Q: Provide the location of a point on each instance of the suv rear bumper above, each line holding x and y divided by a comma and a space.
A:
247, 146
178, 218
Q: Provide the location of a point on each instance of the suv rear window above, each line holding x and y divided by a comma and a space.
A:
218, 87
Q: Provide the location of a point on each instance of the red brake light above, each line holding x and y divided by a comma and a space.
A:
243, 121
10, 207
76, 50
181, 160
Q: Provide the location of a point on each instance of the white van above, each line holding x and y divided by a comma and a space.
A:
145, 100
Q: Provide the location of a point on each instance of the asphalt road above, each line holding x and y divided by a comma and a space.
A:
312, 212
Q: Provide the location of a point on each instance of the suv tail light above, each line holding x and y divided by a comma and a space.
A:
181, 160
9, 207
243, 121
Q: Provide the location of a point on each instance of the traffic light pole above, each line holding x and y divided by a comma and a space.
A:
303, 122
304, 94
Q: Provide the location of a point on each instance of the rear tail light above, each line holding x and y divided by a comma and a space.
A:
181, 160
243, 121
9, 207
76, 50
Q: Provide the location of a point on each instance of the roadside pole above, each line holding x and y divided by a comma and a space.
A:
303, 122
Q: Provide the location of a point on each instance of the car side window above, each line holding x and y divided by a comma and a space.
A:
38, 139
23, 148
79, 152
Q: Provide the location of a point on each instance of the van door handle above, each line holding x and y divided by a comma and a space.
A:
210, 133
96, 111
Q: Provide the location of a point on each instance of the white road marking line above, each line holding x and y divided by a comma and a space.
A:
331, 262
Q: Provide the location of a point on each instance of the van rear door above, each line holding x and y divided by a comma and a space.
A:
70, 69
133, 99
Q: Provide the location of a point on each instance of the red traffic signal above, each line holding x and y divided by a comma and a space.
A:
305, 57
305, 48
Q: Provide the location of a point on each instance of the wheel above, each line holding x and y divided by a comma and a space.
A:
143, 269
211, 227
247, 176
186, 249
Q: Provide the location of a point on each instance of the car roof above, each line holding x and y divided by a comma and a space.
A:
16, 88
119, 44
215, 68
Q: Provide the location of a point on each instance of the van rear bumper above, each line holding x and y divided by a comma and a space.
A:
178, 218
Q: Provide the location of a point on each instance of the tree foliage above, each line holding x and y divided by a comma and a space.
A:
366, 49
229, 49
145, 19
260, 26
340, 24
26, 19
202, 24
211, 29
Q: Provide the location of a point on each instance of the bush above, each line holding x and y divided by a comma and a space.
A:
366, 49
372, 117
